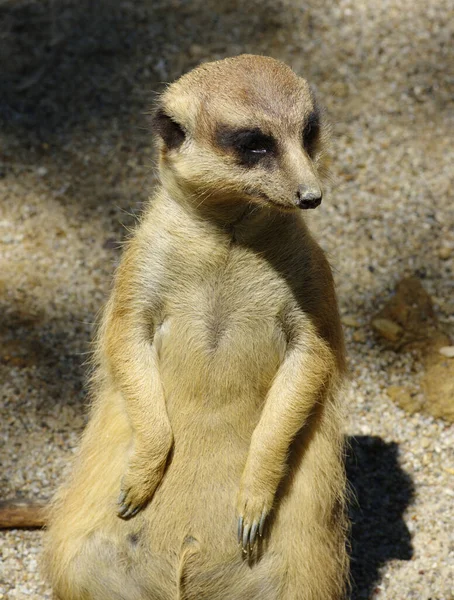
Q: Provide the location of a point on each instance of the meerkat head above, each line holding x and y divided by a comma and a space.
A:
243, 129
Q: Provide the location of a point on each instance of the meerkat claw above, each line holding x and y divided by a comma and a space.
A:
123, 511
240, 529
245, 538
262, 523
253, 534
128, 512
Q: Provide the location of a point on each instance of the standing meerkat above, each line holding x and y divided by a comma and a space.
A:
211, 467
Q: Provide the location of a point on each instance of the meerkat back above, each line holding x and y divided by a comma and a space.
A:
211, 466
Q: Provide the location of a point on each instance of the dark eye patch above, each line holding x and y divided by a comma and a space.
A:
311, 132
172, 133
251, 146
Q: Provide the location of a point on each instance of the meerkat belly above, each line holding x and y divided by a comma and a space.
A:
219, 350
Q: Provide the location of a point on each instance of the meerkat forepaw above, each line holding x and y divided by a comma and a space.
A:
136, 490
129, 504
144, 473
251, 521
248, 534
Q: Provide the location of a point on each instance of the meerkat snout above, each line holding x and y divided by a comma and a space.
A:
308, 196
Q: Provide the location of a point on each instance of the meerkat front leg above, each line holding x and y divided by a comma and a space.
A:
299, 383
152, 432
132, 359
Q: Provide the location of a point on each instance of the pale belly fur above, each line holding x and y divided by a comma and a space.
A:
215, 385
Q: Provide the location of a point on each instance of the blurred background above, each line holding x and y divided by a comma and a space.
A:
77, 164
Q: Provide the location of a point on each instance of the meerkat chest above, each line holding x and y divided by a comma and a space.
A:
221, 337
239, 296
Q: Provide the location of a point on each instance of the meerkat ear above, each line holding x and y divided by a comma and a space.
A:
172, 133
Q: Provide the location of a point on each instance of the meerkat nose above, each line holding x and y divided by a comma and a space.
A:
308, 197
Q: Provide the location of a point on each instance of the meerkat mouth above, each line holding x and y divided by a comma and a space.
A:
270, 202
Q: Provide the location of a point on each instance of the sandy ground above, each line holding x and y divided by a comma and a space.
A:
76, 164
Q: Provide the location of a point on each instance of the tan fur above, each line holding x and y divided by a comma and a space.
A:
220, 364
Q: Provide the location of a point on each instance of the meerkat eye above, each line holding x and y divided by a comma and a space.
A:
255, 142
170, 131
250, 145
311, 133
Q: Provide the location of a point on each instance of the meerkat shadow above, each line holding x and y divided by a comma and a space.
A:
380, 493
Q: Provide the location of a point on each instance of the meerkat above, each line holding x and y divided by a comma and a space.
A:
211, 467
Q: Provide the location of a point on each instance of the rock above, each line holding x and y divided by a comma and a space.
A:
444, 253
359, 336
406, 400
388, 329
447, 351
438, 386
411, 310
426, 459
350, 321
408, 322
